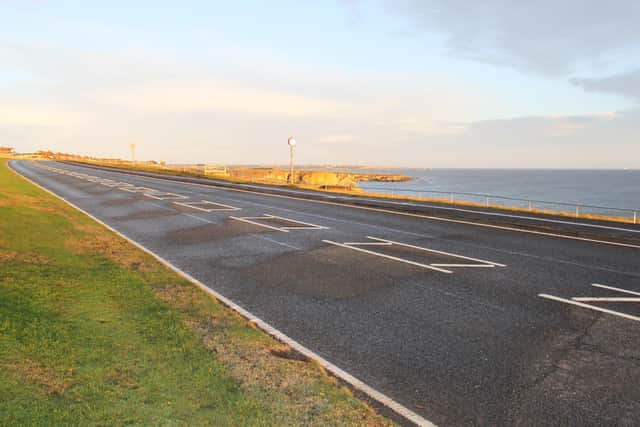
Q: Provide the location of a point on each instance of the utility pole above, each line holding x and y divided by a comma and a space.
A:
133, 152
292, 143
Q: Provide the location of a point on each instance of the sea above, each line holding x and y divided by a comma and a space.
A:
618, 189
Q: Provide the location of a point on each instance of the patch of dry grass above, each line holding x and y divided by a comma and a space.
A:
52, 381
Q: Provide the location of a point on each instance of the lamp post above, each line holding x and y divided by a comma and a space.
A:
292, 143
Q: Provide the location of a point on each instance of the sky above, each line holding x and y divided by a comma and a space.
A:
393, 83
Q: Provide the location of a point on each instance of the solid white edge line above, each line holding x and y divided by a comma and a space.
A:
355, 248
611, 288
606, 299
264, 326
435, 218
437, 252
257, 223
589, 306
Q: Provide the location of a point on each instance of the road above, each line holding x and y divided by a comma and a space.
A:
460, 322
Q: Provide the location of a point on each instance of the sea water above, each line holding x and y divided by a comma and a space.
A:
608, 188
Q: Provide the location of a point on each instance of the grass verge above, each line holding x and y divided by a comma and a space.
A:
94, 331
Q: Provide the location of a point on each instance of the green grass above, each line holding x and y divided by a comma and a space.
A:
95, 332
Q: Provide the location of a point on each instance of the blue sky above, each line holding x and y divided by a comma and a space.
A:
392, 83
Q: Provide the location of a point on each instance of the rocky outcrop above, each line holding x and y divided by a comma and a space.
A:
314, 178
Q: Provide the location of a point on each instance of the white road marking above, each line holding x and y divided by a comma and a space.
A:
277, 242
355, 248
369, 243
192, 205
264, 326
611, 288
137, 189
118, 184
249, 220
435, 218
589, 306
438, 252
198, 218
308, 224
464, 265
606, 299
164, 196
285, 229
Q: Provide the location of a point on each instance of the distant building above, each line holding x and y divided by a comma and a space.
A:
7, 150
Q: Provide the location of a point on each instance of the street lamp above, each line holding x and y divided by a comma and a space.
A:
292, 143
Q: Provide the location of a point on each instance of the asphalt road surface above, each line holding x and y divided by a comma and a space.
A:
462, 323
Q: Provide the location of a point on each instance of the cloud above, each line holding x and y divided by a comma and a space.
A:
425, 127
213, 95
538, 129
97, 104
625, 84
543, 36
39, 116
336, 138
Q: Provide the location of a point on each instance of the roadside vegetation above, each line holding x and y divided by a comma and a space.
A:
94, 331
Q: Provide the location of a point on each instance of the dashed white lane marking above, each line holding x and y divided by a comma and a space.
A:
435, 218
277, 242
266, 327
259, 220
590, 307
137, 189
118, 184
489, 263
611, 288
307, 224
429, 236
369, 243
250, 219
464, 265
406, 261
159, 195
214, 206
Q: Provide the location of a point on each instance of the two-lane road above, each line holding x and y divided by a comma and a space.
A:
461, 323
